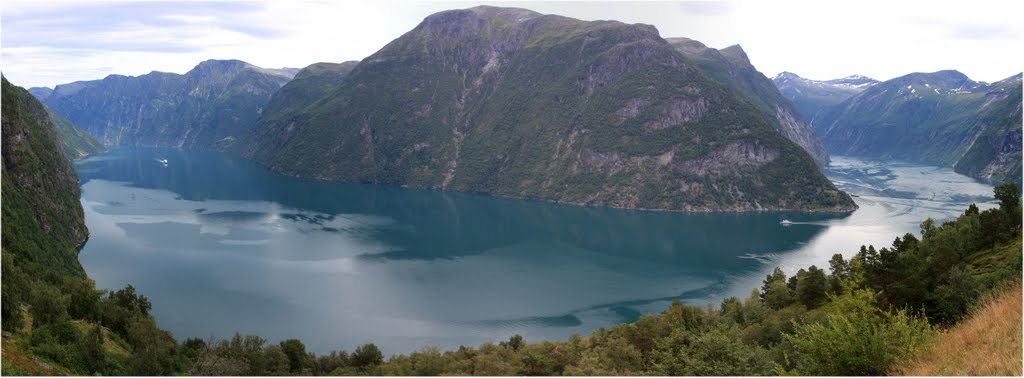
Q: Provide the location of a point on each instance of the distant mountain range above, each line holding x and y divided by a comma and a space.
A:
208, 107
810, 96
514, 103
941, 117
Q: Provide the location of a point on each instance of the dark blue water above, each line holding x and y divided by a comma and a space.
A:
221, 245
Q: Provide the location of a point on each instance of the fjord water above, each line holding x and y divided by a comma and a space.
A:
221, 245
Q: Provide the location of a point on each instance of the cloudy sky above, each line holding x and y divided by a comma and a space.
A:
45, 43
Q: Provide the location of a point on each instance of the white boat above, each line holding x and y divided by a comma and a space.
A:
786, 222
162, 161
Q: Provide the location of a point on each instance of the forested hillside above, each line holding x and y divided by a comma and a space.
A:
52, 310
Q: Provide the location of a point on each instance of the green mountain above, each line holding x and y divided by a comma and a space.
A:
730, 66
43, 221
207, 107
310, 84
77, 143
942, 118
510, 102
810, 96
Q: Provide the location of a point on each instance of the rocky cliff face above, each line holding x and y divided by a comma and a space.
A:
731, 67
514, 103
942, 118
208, 107
43, 220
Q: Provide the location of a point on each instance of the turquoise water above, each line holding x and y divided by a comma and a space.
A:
221, 245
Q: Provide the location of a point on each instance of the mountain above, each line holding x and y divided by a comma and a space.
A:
76, 143
40, 92
942, 118
310, 84
510, 102
730, 66
43, 221
207, 107
810, 96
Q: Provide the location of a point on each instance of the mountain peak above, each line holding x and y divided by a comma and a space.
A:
786, 75
735, 52
463, 16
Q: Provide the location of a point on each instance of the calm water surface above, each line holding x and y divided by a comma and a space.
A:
221, 245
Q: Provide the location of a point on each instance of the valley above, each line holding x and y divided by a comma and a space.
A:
502, 191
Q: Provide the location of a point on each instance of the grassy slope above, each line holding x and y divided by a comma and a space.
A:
989, 343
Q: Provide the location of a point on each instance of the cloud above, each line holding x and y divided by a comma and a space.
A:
48, 43
983, 32
706, 8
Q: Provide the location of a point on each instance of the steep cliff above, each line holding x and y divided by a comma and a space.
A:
43, 221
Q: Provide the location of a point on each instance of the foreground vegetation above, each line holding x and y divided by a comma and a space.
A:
987, 344
866, 315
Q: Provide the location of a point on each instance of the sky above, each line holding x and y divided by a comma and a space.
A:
44, 43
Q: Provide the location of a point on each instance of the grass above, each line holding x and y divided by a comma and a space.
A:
16, 362
988, 343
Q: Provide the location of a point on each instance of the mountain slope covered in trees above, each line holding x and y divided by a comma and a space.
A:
731, 67
77, 143
941, 118
514, 103
43, 220
207, 107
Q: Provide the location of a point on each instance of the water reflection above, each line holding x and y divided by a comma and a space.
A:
221, 245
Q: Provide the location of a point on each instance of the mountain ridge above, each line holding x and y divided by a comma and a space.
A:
207, 107
936, 118
811, 96
512, 103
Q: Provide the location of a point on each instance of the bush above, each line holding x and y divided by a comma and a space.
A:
856, 338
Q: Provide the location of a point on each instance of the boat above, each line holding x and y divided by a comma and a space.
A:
786, 222
162, 161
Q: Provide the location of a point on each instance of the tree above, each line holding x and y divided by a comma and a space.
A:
952, 299
778, 296
776, 275
276, 361
84, 298
91, 349
366, 357
515, 342
1010, 206
296, 352
48, 305
732, 309
810, 288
